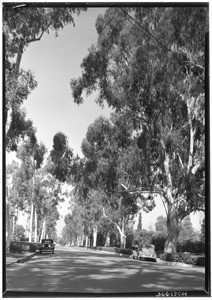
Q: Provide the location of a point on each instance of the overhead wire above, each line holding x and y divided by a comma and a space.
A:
133, 22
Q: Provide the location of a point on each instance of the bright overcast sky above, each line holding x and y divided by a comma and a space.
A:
55, 61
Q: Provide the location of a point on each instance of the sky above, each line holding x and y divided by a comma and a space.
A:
54, 62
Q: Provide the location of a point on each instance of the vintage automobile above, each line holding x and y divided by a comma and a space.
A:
47, 245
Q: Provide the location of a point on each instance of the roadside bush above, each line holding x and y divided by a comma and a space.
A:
18, 247
124, 251
159, 241
104, 248
109, 249
112, 249
142, 238
186, 258
15, 247
200, 261
25, 248
33, 247
129, 240
192, 247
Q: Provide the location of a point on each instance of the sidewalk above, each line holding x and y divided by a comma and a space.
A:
18, 258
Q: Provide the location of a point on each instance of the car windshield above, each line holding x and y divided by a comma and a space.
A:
49, 241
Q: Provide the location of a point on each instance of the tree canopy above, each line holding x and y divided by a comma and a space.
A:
145, 67
22, 25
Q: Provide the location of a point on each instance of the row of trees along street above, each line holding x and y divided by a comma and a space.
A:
33, 186
149, 66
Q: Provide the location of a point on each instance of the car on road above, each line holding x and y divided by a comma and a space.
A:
47, 245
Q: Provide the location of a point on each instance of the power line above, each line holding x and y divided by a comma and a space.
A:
158, 42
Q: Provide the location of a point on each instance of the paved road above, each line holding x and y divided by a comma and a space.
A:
78, 270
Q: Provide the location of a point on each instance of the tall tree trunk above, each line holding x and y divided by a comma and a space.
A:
36, 227
8, 221
86, 241
43, 231
31, 222
139, 227
123, 241
82, 238
190, 108
122, 235
78, 240
8, 227
13, 225
172, 216
173, 230
120, 230
107, 241
94, 235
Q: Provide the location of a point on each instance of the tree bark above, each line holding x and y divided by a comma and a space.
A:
43, 231
172, 216
86, 241
13, 225
107, 241
8, 229
31, 222
94, 235
36, 227
121, 231
82, 239
122, 235
173, 230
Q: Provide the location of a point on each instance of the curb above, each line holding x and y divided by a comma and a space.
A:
22, 260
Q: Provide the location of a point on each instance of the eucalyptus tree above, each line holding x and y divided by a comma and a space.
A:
61, 158
74, 227
149, 65
11, 197
31, 155
187, 232
110, 162
22, 25
48, 195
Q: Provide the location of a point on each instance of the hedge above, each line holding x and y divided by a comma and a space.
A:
186, 258
112, 249
19, 247
192, 247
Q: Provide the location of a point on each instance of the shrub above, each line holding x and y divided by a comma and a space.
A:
19, 247
159, 241
192, 247
142, 238
104, 248
25, 248
15, 247
109, 249
32, 247
186, 258
124, 251
200, 261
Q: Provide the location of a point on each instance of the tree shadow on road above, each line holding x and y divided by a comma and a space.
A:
86, 272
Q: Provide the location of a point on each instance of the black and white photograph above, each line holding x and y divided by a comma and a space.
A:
105, 149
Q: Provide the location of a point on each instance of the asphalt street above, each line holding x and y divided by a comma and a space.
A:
76, 270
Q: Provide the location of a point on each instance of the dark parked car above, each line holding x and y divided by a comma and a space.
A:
47, 245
